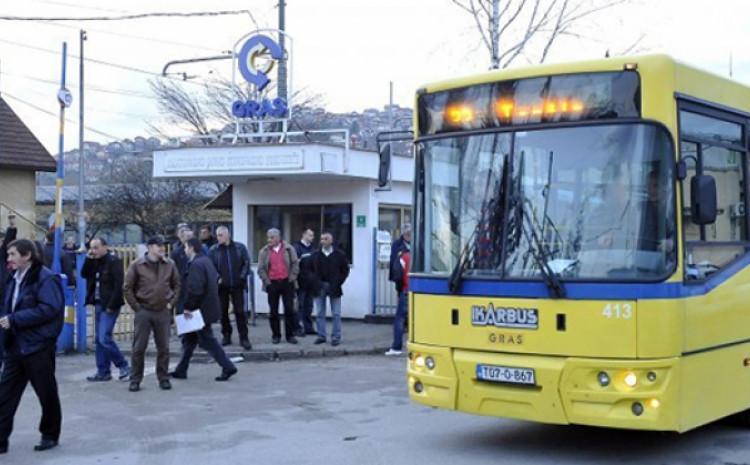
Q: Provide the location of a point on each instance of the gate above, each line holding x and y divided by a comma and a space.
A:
384, 297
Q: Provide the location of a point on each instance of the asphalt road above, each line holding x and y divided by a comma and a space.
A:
348, 411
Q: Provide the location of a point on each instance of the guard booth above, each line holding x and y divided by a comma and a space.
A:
295, 186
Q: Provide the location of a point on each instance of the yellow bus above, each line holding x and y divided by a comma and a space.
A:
580, 249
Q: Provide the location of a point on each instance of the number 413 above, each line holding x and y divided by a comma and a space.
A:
618, 311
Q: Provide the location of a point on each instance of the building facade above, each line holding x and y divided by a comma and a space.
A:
298, 186
21, 157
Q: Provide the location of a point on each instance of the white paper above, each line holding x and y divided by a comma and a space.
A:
189, 325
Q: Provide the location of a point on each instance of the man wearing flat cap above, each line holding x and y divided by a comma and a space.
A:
152, 287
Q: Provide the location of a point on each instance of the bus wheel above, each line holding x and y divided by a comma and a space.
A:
743, 418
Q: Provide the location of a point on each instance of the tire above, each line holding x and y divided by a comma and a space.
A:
743, 418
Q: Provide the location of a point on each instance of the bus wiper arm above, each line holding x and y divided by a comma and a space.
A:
542, 258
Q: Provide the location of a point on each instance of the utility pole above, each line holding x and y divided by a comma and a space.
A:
390, 105
495, 35
81, 154
81, 320
282, 86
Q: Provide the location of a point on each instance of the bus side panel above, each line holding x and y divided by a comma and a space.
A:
659, 328
715, 384
720, 317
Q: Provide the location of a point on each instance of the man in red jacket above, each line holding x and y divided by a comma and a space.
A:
404, 261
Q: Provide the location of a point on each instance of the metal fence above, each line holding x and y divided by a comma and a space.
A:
123, 330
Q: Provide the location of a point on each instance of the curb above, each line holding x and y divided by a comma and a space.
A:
270, 355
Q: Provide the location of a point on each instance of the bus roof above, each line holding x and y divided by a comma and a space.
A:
668, 72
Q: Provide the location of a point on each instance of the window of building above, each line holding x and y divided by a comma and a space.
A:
293, 220
719, 150
392, 218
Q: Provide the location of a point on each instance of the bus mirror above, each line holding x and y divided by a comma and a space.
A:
703, 199
385, 165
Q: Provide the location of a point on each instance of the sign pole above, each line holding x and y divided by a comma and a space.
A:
65, 340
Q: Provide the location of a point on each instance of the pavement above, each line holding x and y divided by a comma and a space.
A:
358, 338
331, 411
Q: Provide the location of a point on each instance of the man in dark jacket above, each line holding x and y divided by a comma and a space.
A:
180, 259
232, 261
202, 294
207, 239
305, 280
31, 317
104, 276
66, 264
331, 268
5, 239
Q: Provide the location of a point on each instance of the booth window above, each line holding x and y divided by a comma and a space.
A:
717, 143
292, 220
392, 218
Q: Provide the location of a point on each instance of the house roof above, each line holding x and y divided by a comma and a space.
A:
19, 148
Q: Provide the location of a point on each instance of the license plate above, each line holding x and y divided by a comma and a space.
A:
502, 374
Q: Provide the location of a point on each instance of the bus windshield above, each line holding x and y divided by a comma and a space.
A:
596, 202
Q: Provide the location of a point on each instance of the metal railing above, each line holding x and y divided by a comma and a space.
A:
6, 209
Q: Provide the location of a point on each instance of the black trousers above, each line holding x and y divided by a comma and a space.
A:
204, 338
284, 290
237, 296
39, 370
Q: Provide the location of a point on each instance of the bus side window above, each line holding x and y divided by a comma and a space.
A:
718, 147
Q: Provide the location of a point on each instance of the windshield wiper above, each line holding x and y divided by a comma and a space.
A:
493, 211
541, 255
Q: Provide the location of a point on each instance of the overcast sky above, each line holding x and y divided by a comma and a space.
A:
345, 50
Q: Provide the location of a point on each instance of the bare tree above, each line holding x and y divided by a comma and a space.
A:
154, 205
530, 28
208, 110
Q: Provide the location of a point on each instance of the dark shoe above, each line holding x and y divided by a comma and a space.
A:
4, 447
335, 342
124, 373
45, 444
177, 375
135, 386
226, 341
276, 340
165, 385
246, 344
311, 332
320, 340
300, 333
98, 378
225, 375
291, 340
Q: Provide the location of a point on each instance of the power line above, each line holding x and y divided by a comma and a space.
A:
47, 112
83, 7
105, 63
132, 36
89, 87
128, 16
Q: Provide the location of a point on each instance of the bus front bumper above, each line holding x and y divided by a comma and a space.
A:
635, 394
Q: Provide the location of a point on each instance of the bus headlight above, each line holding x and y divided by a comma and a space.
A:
419, 361
430, 363
630, 379
654, 403
603, 379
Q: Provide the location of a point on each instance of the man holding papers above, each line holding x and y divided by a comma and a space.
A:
202, 295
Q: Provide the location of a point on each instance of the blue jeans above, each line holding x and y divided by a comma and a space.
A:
320, 306
304, 310
107, 352
398, 320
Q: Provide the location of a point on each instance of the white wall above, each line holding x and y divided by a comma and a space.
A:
360, 193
